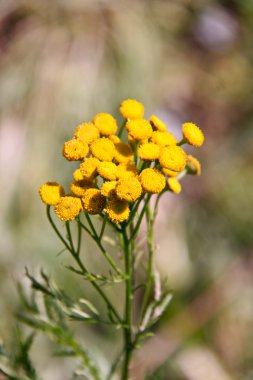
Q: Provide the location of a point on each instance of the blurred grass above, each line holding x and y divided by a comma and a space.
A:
62, 62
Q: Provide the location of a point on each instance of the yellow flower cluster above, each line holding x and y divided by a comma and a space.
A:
115, 172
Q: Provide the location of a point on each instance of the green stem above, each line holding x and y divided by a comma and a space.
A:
121, 128
150, 269
128, 304
136, 229
84, 271
97, 239
56, 229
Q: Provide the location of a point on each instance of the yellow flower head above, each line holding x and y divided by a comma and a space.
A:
117, 210
173, 158
103, 149
139, 129
170, 173
78, 188
108, 188
87, 132
93, 201
123, 153
157, 124
128, 189
163, 138
68, 208
152, 180
51, 193
128, 169
75, 149
88, 168
174, 185
131, 109
115, 139
77, 175
193, 165
149, 151
107, 170
105, 123
192, 134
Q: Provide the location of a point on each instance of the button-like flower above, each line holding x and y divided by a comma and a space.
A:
87, 132
50, 193
157, 124
131, 109
163, 138
75, 150
152, 181
93, 201
68, 208
192, 134
148, 151
139, 129
117, 210
128, 189
105, 123
103, 149
173, 158
107, 170
174, 185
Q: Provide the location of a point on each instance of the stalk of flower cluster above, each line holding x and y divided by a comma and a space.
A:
115, 181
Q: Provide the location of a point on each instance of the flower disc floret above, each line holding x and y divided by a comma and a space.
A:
174, 185
68, 208
105, 123
78, 188
128, 189
51, 193
123, 153
117, 210
163, 138
131, 109
152, 180
88, 168
108, 188
193, 165
157, 123
103, 149
93, 201
75, 150
87, 132
149, 151
173, 158
139, 129
107, 170
192, 134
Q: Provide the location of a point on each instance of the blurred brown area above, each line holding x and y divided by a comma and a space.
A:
61, 62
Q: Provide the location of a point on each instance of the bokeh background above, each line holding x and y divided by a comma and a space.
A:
63, 61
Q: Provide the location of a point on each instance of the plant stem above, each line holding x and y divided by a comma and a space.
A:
128, 303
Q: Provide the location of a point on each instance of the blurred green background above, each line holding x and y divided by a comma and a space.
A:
63, 61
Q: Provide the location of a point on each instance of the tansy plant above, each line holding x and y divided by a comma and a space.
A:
118, 172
